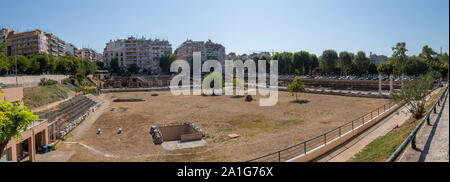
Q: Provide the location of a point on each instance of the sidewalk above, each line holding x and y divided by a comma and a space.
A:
432, 142
347, 150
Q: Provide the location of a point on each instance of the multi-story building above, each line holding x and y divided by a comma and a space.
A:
187, 48
4, 34
215, 51
56, 46
35, 41
161, 48
377, 59
144, 53
209, 50
72, 50
98, 57
90, 54
27, 42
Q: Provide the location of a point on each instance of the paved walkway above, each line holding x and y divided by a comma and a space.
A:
353, 146
432, 142
54, 156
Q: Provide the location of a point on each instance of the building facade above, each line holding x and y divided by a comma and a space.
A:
215, 51
3, 37
26, 43
72, 50
90, 54
161, 48
56, 46
36, 41
186, 49
209, 50
143, 53
32, 140
4, 34
377, 59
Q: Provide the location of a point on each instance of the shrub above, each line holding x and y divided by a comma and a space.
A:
45, 82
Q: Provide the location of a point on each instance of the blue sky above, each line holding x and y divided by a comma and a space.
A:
242, 26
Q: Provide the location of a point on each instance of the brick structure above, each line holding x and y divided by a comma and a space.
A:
36, 136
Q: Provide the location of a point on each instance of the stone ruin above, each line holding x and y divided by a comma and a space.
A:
183, 132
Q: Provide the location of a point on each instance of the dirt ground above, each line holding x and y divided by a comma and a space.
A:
262, 130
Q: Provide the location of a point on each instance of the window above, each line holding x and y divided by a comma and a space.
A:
6, 157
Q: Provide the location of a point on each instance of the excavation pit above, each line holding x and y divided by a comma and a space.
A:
128, 100
185, 132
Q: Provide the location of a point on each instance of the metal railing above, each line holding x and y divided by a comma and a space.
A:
412, 136
303, 148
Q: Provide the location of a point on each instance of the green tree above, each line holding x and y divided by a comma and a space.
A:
51, 65
2, 47
328, 60
22, 63
284, 62
345, 62
13, 120
115, 65
385, 68
63, 65
428, 54
372, 69
301, 62
165, 62
100, 65
296, 86
4, 64
413, 94
40, 63
34, 67
362, 63
415, 66
399, 57
314, 64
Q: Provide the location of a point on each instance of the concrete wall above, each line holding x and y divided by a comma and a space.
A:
174, 132
30, 135
31, 81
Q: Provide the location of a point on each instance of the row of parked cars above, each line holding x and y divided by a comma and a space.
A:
348, 77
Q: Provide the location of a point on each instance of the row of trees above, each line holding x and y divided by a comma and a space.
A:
428, 61
329, 63
347, 63
43, 63
296, 63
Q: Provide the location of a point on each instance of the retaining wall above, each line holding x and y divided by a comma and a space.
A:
31, 80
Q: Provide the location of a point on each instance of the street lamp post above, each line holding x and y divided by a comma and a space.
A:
15, 62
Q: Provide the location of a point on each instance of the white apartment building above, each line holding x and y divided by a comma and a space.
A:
72, 50
377, 59
90, 54
145, 53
